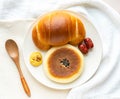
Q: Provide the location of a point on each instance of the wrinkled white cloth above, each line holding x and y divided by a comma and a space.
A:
105, 84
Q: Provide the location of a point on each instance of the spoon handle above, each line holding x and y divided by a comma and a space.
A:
24, 83
25, 86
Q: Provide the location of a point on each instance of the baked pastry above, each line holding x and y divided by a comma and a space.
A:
57, 28
63, 64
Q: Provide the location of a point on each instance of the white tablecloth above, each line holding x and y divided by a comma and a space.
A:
105, 84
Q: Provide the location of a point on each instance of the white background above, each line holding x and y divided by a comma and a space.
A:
114, 4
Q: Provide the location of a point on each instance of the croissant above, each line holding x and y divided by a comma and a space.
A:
57, 28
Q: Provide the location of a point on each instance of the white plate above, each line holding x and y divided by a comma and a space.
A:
92, 59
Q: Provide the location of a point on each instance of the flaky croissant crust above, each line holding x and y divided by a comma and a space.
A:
57, 28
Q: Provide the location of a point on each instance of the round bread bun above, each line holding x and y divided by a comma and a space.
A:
63, 64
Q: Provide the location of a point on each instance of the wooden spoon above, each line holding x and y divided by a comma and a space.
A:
13, 52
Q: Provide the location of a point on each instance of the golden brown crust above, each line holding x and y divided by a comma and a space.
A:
63, 64
38, 42
58, 28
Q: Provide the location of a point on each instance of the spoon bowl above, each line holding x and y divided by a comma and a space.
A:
12, 48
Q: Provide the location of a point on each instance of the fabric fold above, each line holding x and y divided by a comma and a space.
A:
104, 84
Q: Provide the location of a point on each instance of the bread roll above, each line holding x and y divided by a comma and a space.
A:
57, 28
63, 64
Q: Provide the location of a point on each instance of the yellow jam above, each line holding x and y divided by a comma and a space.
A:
36, 59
